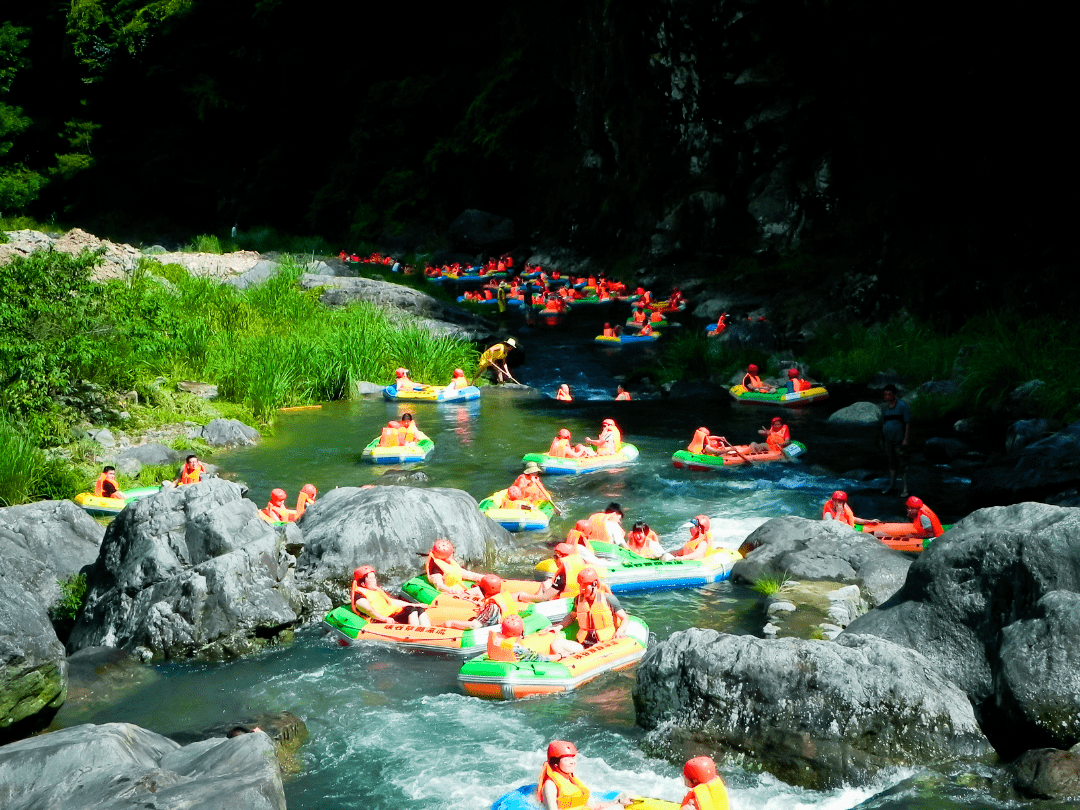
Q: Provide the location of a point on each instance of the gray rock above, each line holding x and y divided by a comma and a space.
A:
696, 389
860, 413
190, 571
814, 713
475, 230
131, 467
965, 426
200, 389
1024, 399
391, 528
752, 334
1047, 465
118, 766
104, 437
230, 433
262, 271
365, 388
992, 603
148, 455
1046, 773
941, 450
821, 550
1026, 431
936, 388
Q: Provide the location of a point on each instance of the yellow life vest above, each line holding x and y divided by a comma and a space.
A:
451, 572
711, 795
192, 477
506, 603
571, 791
596, 616
379, 600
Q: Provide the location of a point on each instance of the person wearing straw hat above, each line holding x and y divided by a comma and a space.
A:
530, 485
495, 359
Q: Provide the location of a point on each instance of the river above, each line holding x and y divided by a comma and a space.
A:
391, 731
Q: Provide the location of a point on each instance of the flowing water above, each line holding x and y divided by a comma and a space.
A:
391, 731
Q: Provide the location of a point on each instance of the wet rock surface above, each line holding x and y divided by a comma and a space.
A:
814, 713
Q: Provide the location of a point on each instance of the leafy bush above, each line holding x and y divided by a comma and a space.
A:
72, 595
205, 243
770, 585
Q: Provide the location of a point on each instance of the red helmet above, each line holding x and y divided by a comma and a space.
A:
458, 372
839, 495
309, 489
561, 748
607, 325
753, 369
793, 372
395, 424
401, 372
362, 572
700, 770
514, 493
490, 584
608, 422
277, 497
582, 525
564, 434
914, 503
563, 550
512, 625
776, 419
587, 576
442, 549
703, 522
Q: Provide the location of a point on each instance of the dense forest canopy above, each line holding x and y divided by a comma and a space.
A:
915, 142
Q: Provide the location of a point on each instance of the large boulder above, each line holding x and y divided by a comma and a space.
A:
478, 231
392, 528
1045, 466
994, 606
1046, 773
821, 550
117, 766
191, 571
261, 272
33, 672
814, 713
858, 413
230, 433
1023, 432
43, 542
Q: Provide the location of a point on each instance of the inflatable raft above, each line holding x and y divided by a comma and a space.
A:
432, 394
347, 628
407, 454
425, 593
619, 340
626, 572
740, 456
533, 519
662, 324
482, 677
901, 536
778, 397
108, 507
524, 798
573, 466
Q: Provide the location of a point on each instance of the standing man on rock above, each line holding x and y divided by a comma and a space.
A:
895, 432
495, 359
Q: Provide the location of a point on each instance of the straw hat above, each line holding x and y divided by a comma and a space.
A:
532, 468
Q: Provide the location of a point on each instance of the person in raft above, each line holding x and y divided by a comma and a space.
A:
404, 384
580, 538
515, 499
105, 486
409, 429
559, 787
700, 542
304, 499
531, 486
445, 574
924, 522
495, 359
795, 384
622, 395
276, 511
495, 607
568, 564
191, 472
646, 330
458, 381
598, 614
606, 526
837, 508
752, 382
611, 331
644, 542
707, 790
369, 600
777, 437
563, 394
503, 644
610, 441
561, 447
895, 431
392, 435
705, 443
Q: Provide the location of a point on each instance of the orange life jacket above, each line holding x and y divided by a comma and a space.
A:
623, 397
694, 543
559, 448
570, 790
774, 437
500, 647
711, 795
840, 512
697, 444
656, 317
451, 571
750, 382
391, 437
276, 514
935, 524
803, 385
99, 487
596, 616
382, 602
609, 332
638, 543
640, 316
646, 330
570, 566
191, 476
564, 396
577, 538
530, 488
302, 501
